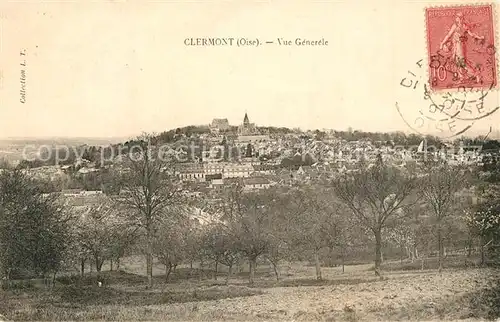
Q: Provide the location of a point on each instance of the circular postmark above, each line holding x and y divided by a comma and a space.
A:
445, 114
444, 126
464, 106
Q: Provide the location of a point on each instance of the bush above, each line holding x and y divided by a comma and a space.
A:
93, 295
485, 303
18, 285
109, 277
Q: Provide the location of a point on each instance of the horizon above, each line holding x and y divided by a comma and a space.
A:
493, 135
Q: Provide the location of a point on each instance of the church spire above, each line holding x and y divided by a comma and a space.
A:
246, 120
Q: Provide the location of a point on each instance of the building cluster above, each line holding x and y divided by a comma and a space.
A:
219, 125
213, 172
220, 174
300, 157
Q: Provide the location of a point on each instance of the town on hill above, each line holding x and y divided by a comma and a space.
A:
244, 215
208, 157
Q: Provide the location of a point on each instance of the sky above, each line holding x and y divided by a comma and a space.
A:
118, 68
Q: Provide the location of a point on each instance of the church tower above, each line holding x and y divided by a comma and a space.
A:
247, 128
246, 121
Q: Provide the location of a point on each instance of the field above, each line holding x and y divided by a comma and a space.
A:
12, 149
404, 293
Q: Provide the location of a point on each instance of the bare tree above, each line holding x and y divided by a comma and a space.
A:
95, 229
424, 239
337, 229
34, 228
375, 194
124, 238
221, 246
247, 216
280, 230
148, 187
402, 236
309, 210
484, 223
439, 188
169, 243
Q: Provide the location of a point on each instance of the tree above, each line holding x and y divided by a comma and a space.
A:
376, 194
249, 151
94, 230
221, 247
338, 230
309, 210
5, 164
123, 239
484, 221
439, 188
102, 232
402, 236
247, 216
424, 239
169, 243
483, 217
280, 231
149, 187
278, 249
34, 229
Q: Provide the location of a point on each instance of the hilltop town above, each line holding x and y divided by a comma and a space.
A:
211, 157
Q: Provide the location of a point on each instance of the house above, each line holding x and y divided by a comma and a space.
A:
190, 172
307, 172
237, 170
218, 125
254, 183
66, 167
285, 176
210, 177
83, 200
86, 170
91, 193
71, 192
252, 138
213, 168
228, 169
216, 184
264, 169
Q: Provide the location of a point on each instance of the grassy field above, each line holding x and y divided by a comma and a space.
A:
404, 293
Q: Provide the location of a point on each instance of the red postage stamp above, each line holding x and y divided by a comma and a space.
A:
461, 47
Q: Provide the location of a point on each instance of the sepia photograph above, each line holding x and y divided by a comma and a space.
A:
244, 160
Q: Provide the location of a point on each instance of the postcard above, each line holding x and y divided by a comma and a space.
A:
249, 160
